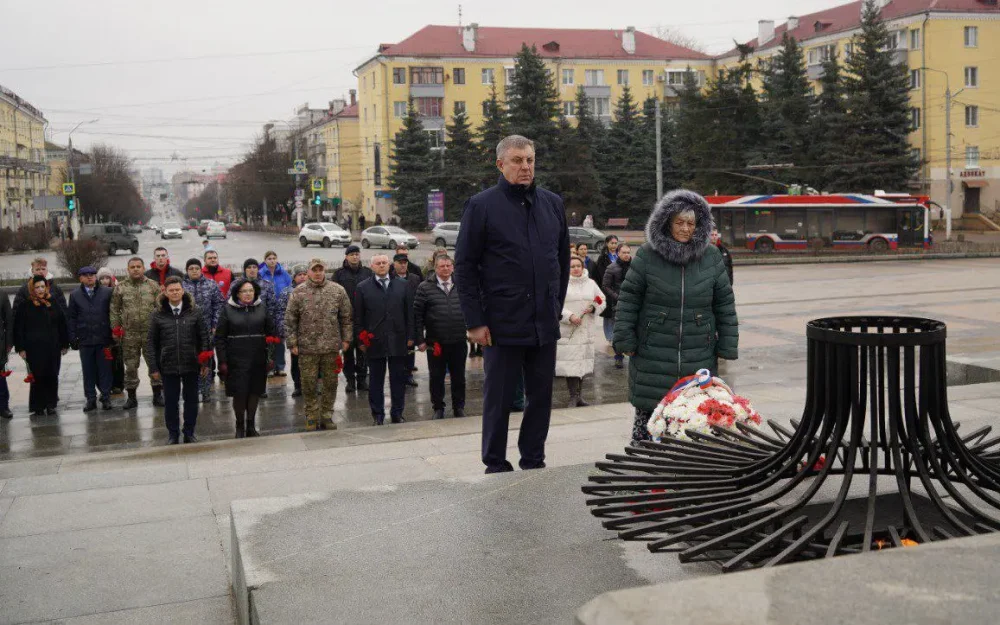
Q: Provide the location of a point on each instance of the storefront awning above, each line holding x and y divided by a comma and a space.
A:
975, 184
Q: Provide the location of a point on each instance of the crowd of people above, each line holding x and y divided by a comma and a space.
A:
517, 293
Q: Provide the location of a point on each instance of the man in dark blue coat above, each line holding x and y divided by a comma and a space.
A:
383, 326
512, 271
89, 321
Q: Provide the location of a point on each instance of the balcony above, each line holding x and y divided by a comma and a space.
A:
900, 56
426, 91
814, 72
597, 91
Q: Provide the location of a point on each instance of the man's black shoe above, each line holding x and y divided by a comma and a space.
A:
350, 388
411, 382
517, 407
378, 420
90, 406
459, 413
297, 393
132, 401
263, 395
506, 467
398, 419
105, 403
173, 439
190, 439
50, 411
6, 413
438, 414
362, 385
412, 369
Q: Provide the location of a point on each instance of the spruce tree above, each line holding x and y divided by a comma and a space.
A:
493, 129
690, 121
626, 170
785, 111
462, 171
828, 131
590, 129
534, 109
878, 121
575, 175
411, 171
670, 178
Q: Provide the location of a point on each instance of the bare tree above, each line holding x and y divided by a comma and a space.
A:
109, 192
676, 36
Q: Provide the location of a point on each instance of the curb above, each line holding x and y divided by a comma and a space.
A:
821, 260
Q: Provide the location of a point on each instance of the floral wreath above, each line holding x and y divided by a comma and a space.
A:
697, 403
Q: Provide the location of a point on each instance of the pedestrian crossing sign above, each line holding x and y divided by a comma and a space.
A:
69, 188
317, 184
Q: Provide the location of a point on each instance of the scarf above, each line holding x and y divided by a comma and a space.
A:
44, 299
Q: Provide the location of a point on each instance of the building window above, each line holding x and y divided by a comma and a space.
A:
623, 77
971, 156
971, 36
458, 75
647, 77
914, 118
399, 110
848, 49
364, 113
600, 107
399, 75
823, 53
428, 107
459, 106
971, 76
436, 137
914, 79
567, 77
675, 78
971, 116
915, 39
569, 109
915, 156
488, 78
508, 75
426, 75
594, 77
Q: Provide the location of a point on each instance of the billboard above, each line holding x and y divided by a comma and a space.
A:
435, 208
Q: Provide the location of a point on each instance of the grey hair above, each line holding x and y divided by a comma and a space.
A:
684, 213
513, 141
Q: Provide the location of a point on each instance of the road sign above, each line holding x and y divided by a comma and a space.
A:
317, 184
300, 166
300, 193
329, 213
69, 188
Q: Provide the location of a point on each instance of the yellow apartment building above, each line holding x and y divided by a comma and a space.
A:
444, 66
23, 170
343, 159
945, 43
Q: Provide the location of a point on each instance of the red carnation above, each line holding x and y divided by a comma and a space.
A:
338, 365
107, 354
366, 338
118, 332
598, 300
273, 340
30, 378
437, 350
718, 413
205, 356
5, 373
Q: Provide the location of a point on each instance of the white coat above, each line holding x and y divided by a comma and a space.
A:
575, 350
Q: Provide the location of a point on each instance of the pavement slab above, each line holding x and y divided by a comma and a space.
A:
196, 612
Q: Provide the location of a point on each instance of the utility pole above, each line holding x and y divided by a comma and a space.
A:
659, 153
75, 215
947, 161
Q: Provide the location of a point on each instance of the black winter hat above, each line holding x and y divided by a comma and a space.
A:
193, 261
352, 249
250, 261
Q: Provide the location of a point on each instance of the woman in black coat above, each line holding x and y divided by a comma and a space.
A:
242, 349
41, 339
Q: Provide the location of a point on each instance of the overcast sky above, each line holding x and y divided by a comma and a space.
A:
134, 64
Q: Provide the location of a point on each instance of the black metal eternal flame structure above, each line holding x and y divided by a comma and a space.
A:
875, 461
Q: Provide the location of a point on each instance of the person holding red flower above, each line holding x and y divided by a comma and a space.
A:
41, 339
243, 340
578, 329
178, 348
440, 331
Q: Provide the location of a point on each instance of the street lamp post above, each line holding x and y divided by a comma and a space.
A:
948, 95
75, 217
295, 148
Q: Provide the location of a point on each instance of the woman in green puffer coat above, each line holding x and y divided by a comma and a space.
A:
676, 310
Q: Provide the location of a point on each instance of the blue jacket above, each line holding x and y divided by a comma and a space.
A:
89, 318
281, 278
512, 263
386, 314
208, 298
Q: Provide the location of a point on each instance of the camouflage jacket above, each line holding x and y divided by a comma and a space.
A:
207, 298
132, 302
318, 318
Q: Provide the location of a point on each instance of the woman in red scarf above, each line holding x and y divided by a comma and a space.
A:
41, 339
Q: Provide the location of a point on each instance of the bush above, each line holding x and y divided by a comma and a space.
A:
72, 255
33, 237
6, 240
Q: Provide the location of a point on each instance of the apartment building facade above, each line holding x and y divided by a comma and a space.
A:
24, 174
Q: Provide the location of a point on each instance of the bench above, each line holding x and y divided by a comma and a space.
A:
617, 222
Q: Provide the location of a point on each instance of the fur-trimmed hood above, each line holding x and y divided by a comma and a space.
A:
658, 227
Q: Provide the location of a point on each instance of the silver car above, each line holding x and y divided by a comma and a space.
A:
388, 237
445, 234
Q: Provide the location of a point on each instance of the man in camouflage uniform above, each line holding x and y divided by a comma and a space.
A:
317, 328
132, 302
208, 300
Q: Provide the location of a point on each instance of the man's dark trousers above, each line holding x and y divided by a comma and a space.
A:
172, 395
96, 371
503, 365
296, 377
397, 386
452, 360
355, 369
4, 395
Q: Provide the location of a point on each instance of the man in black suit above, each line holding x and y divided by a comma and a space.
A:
383, 325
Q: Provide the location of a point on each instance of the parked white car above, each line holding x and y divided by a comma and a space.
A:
215, 229
387, 237
445, 234
324, 234
171, 230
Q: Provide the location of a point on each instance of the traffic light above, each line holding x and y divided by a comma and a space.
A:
316, 199
71, 203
